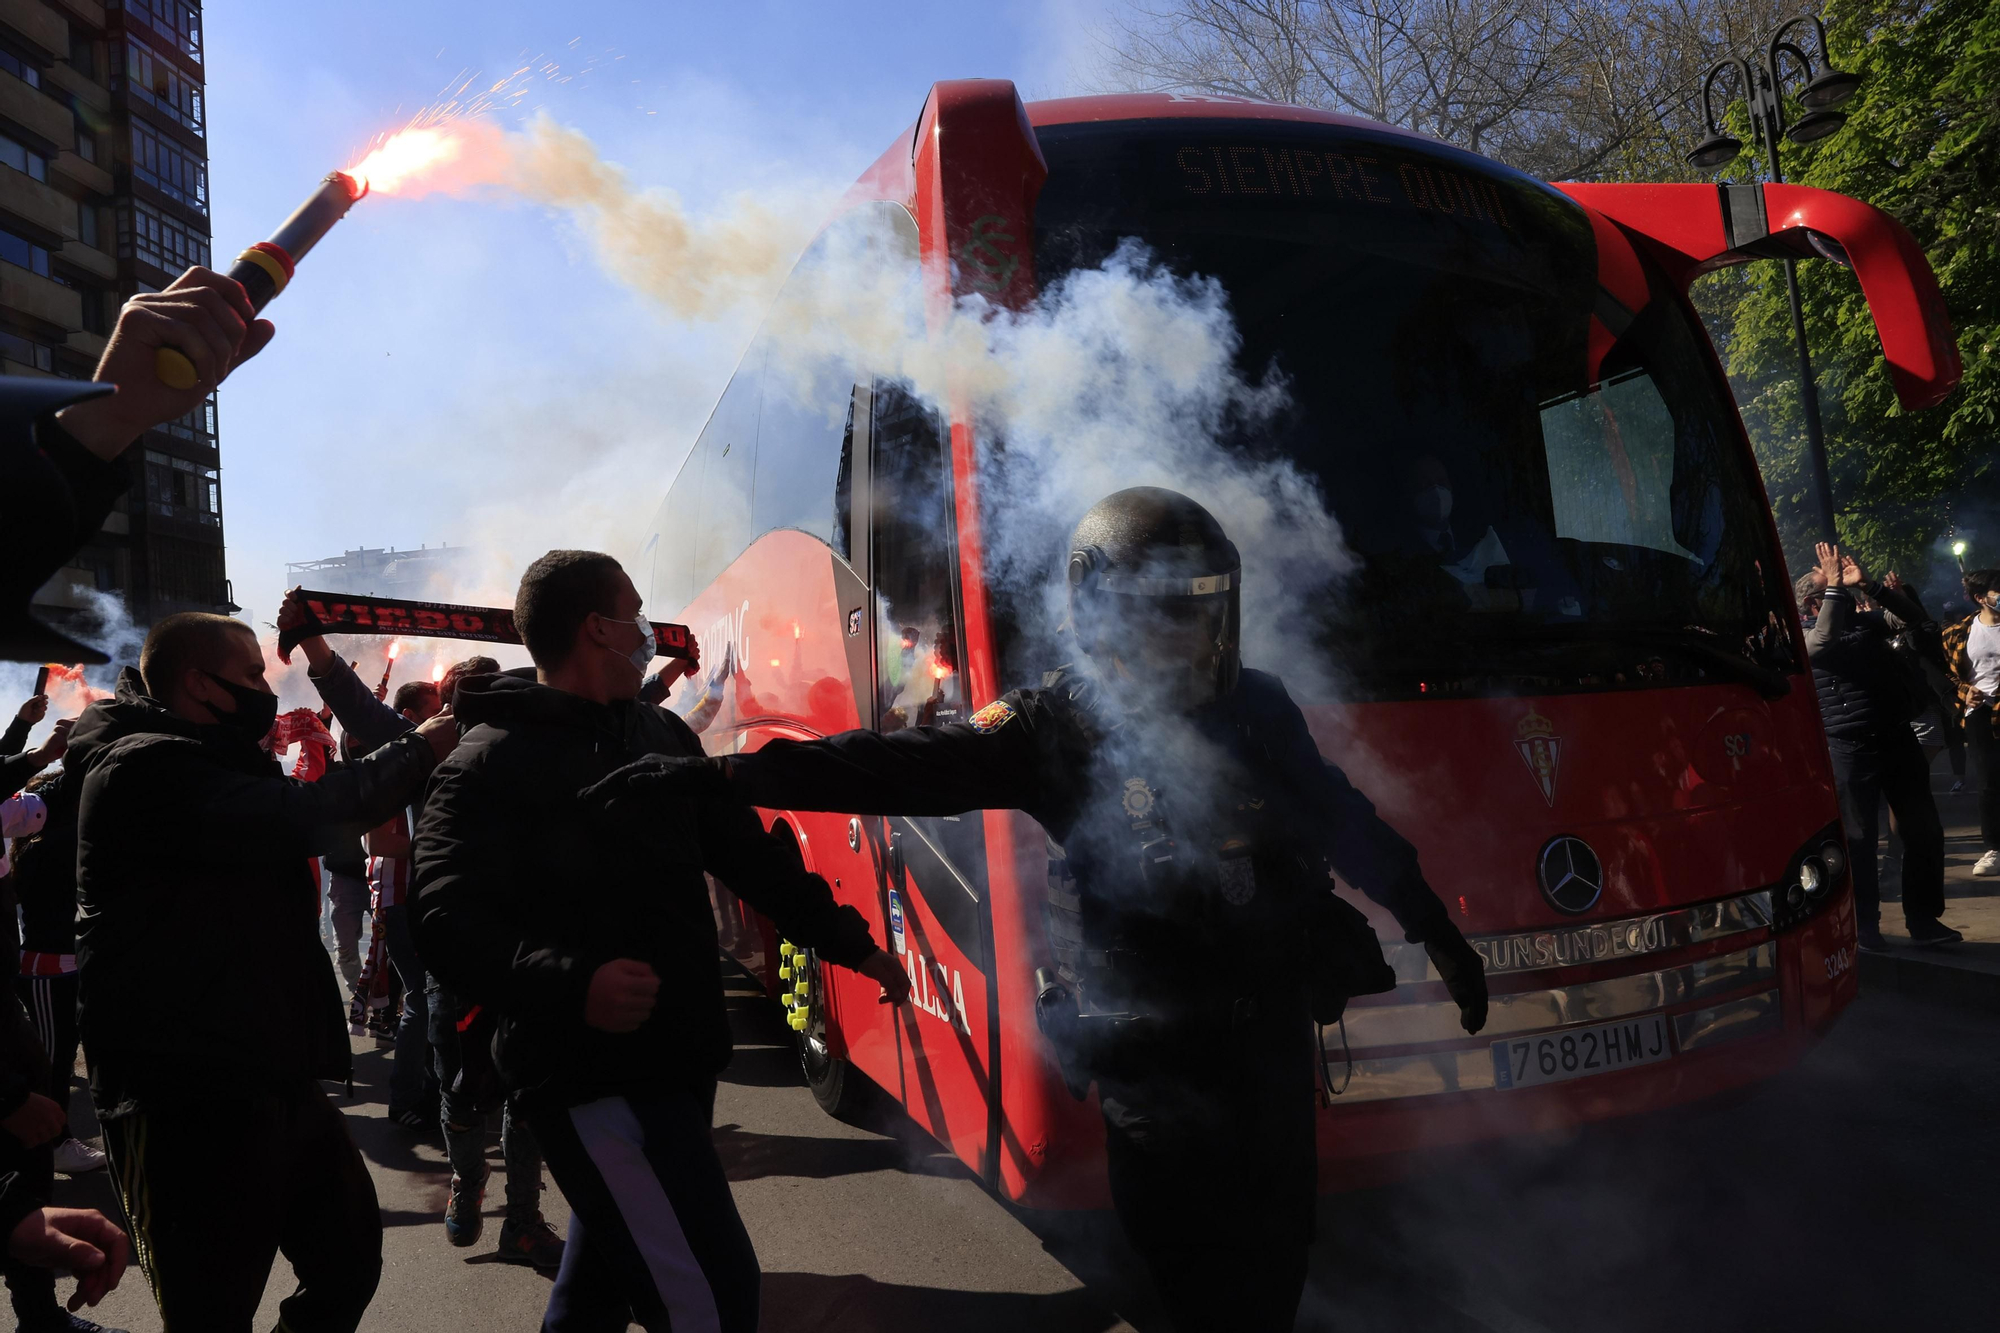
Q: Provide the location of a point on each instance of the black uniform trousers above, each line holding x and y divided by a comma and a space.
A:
1214, 1173
654, 1236
1891, 767
1982, 741
219, 1176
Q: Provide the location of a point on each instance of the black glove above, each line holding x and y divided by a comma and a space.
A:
1463, 972
645, 787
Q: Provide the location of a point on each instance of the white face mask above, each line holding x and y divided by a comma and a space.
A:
649, 646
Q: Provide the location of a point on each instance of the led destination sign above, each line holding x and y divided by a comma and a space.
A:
1250, 171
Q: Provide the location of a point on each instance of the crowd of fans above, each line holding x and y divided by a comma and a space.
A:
531, 999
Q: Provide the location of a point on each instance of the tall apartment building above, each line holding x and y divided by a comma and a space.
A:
103, 194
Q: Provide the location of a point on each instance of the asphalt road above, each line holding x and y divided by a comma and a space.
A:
1855, 1192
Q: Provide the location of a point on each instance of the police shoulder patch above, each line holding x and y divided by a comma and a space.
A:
993, 717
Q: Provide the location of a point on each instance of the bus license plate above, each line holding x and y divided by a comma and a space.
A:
1551, 1057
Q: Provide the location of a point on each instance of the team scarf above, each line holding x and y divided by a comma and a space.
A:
345, 613
302, 725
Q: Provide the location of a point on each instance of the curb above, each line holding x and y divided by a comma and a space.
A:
1909, 973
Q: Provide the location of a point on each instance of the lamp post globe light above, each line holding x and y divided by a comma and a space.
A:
1759, 81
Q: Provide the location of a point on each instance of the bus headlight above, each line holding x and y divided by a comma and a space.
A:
1815, 872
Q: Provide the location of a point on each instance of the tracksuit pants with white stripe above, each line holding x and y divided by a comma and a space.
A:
654, 1235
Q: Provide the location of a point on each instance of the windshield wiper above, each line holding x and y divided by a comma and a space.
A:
1692, 642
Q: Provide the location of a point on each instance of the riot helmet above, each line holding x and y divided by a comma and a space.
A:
1154, 598
37, 515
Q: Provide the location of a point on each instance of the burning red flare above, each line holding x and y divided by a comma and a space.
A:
402, 157
69, 692
437, 674
395, 648
939, 670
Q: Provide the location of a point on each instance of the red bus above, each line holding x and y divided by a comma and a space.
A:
1579, 687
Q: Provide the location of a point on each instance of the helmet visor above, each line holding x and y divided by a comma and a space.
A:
1177, 649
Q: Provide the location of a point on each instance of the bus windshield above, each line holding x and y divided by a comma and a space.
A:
1523, 519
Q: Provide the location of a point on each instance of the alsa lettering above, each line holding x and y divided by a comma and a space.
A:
937, 990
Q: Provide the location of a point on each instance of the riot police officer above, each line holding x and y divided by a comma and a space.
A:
1192, 827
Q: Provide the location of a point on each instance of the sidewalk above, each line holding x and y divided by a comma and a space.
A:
1967, 973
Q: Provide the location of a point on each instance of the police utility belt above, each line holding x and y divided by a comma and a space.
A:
1344, 957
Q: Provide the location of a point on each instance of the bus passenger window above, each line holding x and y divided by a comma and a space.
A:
843, 490
915, 567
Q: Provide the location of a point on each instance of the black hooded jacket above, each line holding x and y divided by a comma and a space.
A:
522, 894
195, 896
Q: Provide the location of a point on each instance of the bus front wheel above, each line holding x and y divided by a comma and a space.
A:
835, 1084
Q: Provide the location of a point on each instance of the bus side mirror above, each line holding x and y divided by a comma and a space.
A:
1694, 229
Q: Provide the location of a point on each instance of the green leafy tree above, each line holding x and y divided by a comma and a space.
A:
1923, 143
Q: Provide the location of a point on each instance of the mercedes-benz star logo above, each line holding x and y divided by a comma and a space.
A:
1572, 878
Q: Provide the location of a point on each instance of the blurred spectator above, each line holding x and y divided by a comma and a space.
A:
1972, 650
45, 887
30, 1124
347, 902
193, 845
368, 724
18, 764
1867, 698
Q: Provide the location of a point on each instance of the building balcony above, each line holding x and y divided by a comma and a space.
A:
37, 23
87, 91
38, 298
86, 11
90, 259
87, 344
46, 209
37, 113
87, 174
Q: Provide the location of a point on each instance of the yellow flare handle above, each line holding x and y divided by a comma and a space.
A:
174, 369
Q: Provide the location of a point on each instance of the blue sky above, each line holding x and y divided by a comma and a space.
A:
443, 367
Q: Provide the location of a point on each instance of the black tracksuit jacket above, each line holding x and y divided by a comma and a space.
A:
195, 896
523, 892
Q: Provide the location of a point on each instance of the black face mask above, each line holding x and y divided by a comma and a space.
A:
255, 712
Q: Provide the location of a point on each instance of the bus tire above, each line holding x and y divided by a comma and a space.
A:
836, 1085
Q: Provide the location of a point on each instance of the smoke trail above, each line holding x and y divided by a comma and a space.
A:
1123, 375
697, 268
104, 625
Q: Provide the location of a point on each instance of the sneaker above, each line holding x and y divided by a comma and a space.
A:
1988, 864
1933, 933
530, 1240
62, 1321
74, 1157
1871, 939
462, 1222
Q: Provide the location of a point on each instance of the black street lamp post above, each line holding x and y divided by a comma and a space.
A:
1761, 84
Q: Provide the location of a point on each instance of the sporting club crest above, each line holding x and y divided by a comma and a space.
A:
1541, 751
